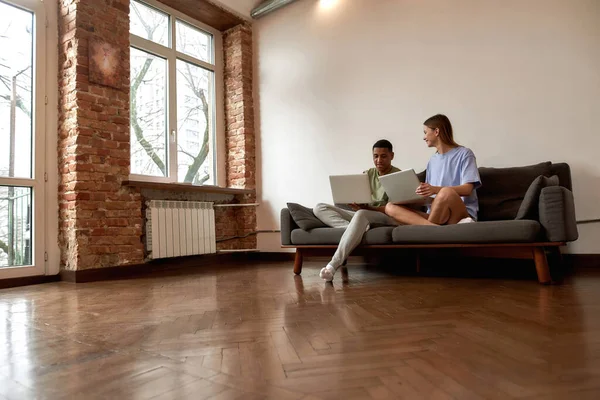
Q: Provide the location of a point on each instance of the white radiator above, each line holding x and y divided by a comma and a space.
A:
179, 228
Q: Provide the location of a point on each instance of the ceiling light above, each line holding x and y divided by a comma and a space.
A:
327, 4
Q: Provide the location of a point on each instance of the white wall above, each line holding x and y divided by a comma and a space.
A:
519, 79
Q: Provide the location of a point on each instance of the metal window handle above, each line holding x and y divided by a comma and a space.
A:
173, 135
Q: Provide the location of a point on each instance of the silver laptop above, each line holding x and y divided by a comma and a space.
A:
348, 189
401, 186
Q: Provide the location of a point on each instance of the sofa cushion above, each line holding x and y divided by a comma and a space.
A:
557, 214
563, 171
381, 235
529, 208
304, 217
521, 231
503, 189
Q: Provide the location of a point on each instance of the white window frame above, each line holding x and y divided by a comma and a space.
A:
171, 55
38, 154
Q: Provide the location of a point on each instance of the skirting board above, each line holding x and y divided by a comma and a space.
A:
164, 264
272, 256
28, 280
126, 271
574, 260
583, 260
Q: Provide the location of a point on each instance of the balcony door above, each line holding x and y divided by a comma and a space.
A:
22, 147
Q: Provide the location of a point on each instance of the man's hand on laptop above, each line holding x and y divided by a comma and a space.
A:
357, 207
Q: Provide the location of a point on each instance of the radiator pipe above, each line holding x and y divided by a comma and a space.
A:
225, 239
236, 205
588, 221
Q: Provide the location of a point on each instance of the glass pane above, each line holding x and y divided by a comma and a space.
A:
148, 114
16, 107
149, 23
193, 42
15, 226
195, 124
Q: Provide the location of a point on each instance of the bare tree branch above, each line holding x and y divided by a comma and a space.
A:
148, 28
199, 159
203, 152
137, 129
200, 181
3, 247
181, 150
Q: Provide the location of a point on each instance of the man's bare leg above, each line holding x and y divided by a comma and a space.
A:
447, 208
406, 216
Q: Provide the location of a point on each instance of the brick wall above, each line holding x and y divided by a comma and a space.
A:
100, 220
237, 221
239, 131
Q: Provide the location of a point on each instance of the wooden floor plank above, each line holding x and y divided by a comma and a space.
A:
441, 380
285, 349
197, 390
146, 385
422, 386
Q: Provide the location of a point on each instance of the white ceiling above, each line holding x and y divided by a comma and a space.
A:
242, 7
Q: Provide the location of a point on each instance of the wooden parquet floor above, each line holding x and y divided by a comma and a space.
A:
256, 331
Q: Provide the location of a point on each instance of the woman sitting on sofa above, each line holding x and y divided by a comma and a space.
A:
452, 180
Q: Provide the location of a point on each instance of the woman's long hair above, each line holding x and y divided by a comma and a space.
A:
442, 123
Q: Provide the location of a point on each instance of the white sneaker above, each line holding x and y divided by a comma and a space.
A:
327, 273
466, 220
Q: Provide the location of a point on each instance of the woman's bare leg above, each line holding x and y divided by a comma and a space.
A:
406, 216
447, 208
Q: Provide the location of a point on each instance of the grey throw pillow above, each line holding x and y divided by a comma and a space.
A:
529, 205
304, 217
503, 189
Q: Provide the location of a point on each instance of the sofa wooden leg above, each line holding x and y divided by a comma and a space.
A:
541, 265
298, 262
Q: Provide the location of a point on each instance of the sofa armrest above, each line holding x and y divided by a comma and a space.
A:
557, 214
287, 226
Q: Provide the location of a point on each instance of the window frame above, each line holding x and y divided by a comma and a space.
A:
171, 55
38, 145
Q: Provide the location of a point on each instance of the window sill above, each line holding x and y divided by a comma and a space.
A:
186, 187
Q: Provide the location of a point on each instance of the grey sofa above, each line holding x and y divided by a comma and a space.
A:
524, 212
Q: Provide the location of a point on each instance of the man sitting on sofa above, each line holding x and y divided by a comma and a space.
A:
359, 221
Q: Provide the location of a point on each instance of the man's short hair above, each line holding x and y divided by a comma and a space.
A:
383, 144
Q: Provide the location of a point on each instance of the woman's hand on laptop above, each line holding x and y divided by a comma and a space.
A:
357, 207
426, 190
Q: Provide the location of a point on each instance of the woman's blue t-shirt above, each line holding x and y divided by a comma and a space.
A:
453, 168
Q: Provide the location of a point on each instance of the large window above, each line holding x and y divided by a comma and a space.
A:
21, 137
173, 106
